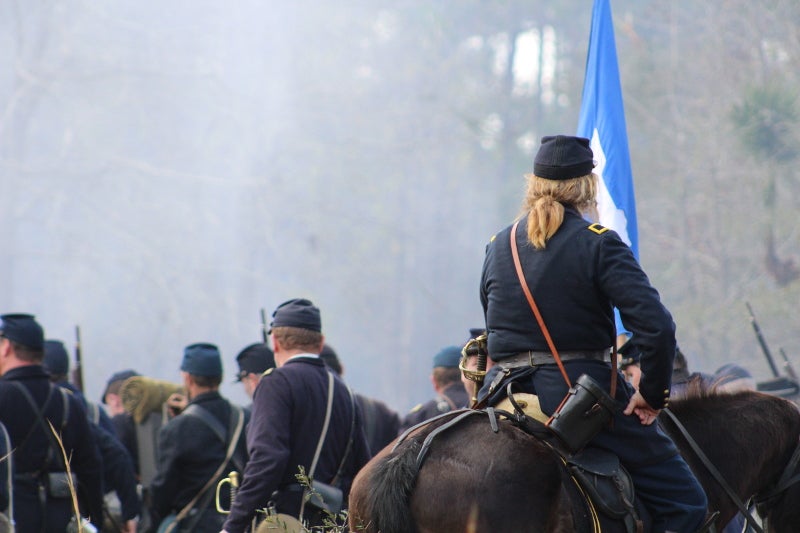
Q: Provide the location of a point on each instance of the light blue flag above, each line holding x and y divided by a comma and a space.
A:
602, 120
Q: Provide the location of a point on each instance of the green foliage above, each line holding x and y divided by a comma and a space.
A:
333, 522
765, 121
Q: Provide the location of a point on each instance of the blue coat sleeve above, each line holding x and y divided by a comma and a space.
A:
639, 304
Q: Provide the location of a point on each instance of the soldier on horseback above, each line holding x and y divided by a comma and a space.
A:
578, 272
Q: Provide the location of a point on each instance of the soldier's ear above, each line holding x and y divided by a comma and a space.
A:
276, 345
321, 344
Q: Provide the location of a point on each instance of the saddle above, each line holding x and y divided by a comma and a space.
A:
602, 481
597, 478
606, 485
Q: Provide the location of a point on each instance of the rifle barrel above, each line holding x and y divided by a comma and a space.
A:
264, 328
788, 365
77, 373
762, 342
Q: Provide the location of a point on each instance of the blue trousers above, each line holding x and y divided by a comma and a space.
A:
663, 481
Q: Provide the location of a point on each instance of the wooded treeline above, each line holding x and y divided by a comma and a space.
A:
168, 170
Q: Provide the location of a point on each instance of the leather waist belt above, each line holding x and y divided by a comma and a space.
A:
546, 358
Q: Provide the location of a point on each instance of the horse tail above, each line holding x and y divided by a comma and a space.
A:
392, 482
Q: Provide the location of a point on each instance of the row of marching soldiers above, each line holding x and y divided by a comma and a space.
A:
154, 456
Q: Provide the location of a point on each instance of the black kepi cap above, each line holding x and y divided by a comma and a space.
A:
56, 359
120, 376
255, 359
297, 313
331, 359
22, 329
563, 157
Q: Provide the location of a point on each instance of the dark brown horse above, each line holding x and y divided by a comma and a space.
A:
475, 479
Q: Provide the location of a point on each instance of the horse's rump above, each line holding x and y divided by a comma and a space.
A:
470, 466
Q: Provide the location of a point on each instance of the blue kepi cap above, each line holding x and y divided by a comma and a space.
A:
202, 359
448, 357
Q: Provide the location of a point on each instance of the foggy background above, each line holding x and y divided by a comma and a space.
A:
168, 169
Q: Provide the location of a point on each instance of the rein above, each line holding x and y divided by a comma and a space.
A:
517, 419
403, 436
714, 472
786, 480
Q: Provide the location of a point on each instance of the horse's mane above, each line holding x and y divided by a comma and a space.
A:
760, 419
704, 403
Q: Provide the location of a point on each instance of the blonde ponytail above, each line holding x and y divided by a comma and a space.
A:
545, 200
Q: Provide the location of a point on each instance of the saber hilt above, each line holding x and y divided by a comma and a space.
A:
233, 479
474, 347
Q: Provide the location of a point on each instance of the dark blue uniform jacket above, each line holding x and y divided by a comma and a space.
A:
32, 444
289, 408
125, 431
381, 424
189, 453
118, 474
584, 271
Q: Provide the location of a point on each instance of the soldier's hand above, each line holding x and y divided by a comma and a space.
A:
176, 403
129, 526
638, 406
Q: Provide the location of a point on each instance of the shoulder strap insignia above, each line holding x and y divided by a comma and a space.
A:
493, 238
597, 228
416, 408
267, 372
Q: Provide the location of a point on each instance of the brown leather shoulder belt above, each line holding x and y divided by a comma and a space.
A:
540, 320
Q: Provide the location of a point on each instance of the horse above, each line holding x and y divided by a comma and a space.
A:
476, 478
